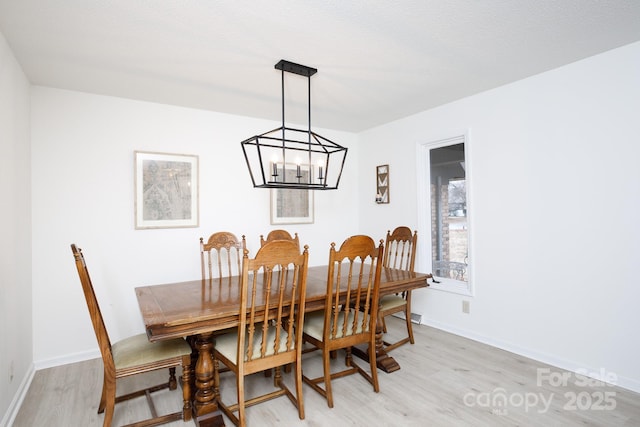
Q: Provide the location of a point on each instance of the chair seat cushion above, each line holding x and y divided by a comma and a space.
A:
314, 324
137, 351
389, 302
227, 344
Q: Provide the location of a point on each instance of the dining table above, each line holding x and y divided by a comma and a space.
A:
197, 309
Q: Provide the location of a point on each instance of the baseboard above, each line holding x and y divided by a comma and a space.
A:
415, 317
21, 393
67, 359
568, 365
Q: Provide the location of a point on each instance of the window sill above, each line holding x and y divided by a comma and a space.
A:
452, 286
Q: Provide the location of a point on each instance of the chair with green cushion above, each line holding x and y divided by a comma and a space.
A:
135, 355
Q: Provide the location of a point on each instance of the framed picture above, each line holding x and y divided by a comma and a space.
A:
166, 190
292, 206
382, 184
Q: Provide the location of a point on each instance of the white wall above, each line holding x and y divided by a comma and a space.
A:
16, 350
82, 159
555, 233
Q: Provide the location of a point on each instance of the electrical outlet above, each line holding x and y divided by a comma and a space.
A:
465, 307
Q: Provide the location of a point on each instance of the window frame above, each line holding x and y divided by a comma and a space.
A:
425, 251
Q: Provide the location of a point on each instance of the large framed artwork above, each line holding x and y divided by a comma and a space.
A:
166, 190
292, 206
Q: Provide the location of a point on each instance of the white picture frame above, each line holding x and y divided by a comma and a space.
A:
292, 206
166, 190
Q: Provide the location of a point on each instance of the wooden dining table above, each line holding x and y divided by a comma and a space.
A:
198, 308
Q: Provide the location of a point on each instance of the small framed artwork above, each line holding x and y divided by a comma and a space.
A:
166, 190
382, 184
292, 206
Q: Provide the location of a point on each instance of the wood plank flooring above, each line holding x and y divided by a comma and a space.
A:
444, 380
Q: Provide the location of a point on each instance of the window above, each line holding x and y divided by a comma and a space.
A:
444, 210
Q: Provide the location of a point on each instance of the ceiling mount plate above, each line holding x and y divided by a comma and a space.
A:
292, 67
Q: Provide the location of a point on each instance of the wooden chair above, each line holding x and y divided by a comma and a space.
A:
351, 309
276, 278
400, 253
221, 257
135, 355
279, 235
221, 262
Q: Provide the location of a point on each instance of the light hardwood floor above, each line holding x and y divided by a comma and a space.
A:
445, 380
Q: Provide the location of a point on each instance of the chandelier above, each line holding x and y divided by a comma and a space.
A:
287, 157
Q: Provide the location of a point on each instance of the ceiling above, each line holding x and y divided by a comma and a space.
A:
377, 60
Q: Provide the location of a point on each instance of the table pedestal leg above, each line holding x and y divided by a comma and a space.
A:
205, 407
384, 362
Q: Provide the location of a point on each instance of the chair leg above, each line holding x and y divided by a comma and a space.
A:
103, 396
241, 411
216, 379
173, 383
109, 393
408, 316
277, 377
327, 377
374, 368
384, 326
409, 326
299, 398
348, 357
186, 387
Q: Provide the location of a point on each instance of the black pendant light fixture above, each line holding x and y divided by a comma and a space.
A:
287, 157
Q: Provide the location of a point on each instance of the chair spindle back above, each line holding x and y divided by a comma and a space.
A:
400, 249
279, 235
279, 270
354, 268
221, 256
